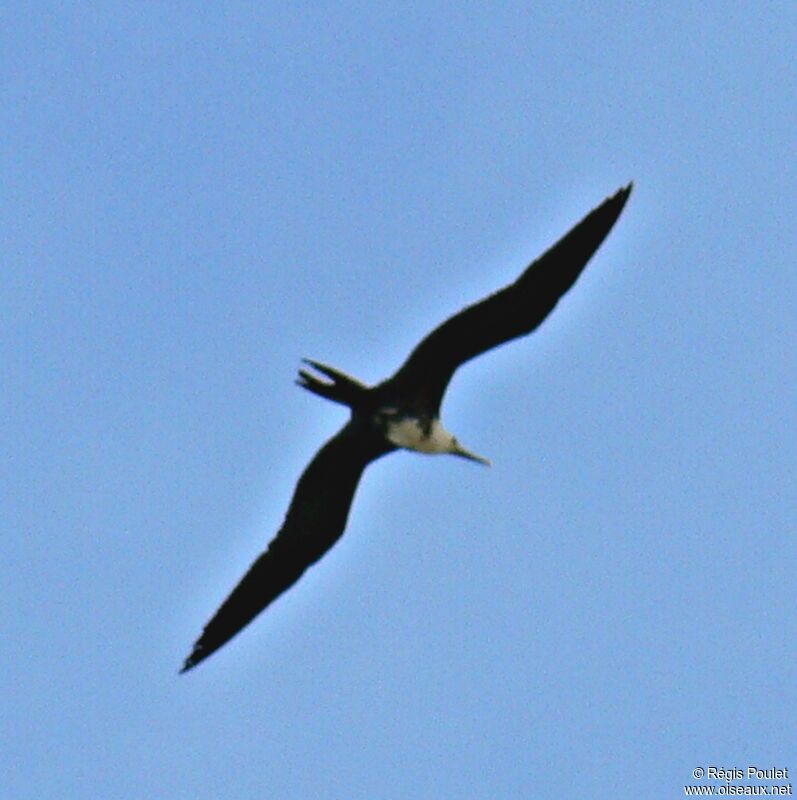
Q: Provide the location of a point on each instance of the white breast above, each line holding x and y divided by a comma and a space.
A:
409, 434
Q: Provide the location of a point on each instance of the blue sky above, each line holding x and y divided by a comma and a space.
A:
193, 199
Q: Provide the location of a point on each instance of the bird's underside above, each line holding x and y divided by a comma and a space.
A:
383, 416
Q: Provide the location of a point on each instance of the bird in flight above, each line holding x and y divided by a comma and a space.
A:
401, 412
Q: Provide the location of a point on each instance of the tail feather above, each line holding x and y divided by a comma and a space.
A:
341, 388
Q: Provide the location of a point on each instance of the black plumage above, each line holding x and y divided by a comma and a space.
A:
318, 512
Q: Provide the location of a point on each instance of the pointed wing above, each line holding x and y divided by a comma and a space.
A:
315, 520
513, 311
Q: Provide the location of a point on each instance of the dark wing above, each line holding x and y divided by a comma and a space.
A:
513, 311
315, 520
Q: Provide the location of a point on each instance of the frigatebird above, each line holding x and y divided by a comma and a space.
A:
401, 412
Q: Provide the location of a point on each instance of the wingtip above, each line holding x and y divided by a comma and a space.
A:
625, 191
197, 655
620, 197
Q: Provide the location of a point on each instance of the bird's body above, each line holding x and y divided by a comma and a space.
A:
401, 412
424, 435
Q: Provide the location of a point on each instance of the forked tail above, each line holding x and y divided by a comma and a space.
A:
341, 388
